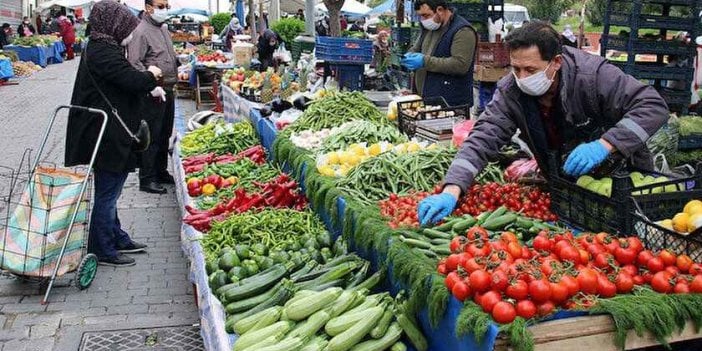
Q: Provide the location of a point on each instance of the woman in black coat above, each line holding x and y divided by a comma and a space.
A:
123, 85
267, 43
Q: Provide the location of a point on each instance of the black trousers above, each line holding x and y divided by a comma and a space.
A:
160, 116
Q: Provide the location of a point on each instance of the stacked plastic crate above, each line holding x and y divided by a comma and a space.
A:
346, 58
650, 30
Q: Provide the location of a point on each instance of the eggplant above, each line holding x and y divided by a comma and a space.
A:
301, 103
279, 105
266, 111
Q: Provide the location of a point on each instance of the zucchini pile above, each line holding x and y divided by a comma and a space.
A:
333, 319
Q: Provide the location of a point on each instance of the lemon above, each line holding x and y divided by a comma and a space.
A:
666, 223
413, 147
333, 158
693, 207
344, 157
401, 148
326, 171
695, 222
375, 150
680, 222
354, 160
432, 147
359, 151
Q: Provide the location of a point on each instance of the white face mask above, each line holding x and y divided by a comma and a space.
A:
127, 40
536, 84
430, 24
159, 15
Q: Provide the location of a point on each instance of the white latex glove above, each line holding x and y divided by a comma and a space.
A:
158, 92
155, 71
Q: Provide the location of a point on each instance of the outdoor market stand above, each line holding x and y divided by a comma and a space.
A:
40, 55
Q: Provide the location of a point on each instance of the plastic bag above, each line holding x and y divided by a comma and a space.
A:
522, 168
461, 131
286, 118
282, 54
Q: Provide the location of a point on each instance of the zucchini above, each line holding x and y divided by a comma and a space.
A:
343, 303
524, 223
496, 213
252, 337
447, 225
300, 294
271, 340
313, 274
251, 279
435, 234
463, 225
341, 259
267, 319
383, 323
311, 326
304, 270
436, 242
367, 302
338, 325
441, 250
292, 344
244, 325
413, 333
428, 253
251, 302
500, 222
372, 281
354, 335
278, 299
358, 277
316, 344
394, 332
398, 346
306, 306
256, 284
338, 272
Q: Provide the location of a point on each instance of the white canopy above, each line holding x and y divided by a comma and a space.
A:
64, 3
350, 6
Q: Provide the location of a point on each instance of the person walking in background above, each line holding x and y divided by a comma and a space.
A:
106, 79
68, 35
232, 29
46, 26
152, 46
26, 29
300, 15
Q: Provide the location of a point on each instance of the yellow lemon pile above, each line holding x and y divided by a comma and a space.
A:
687, 221
339, 163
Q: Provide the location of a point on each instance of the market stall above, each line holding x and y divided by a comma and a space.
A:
40, 49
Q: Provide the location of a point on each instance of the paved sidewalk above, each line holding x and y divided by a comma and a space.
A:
154, 293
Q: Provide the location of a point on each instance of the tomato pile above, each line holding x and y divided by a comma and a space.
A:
402, 210
209, 185
508, 279
531, 201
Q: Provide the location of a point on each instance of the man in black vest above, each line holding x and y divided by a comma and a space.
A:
442, 57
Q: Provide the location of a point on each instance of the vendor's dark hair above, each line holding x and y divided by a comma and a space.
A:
539, 34
433, 4
149, 2
5, 25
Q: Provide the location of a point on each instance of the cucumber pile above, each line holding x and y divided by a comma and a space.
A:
333, 319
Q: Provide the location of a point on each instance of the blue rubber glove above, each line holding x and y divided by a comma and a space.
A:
585, 157
435, 208
413, 61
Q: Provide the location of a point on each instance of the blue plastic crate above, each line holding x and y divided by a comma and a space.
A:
349, 76
344, 50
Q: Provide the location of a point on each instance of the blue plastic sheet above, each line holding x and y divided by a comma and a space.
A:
54, 52
36, 54
6, 71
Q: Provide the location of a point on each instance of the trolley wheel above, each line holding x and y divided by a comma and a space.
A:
86, 271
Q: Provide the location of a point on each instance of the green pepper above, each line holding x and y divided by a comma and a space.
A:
260, 249
324, 239
224, 250
217, 279
312, 244
251, 267
326, 255
243, 251
228, 261
238, 273
296, 258
294, 246
266, 263
277, 256
212, 266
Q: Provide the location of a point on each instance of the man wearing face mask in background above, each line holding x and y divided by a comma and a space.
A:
564, 101
442, 57
152, 46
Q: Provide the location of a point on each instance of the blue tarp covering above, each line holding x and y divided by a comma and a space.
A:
36, 54
6, 71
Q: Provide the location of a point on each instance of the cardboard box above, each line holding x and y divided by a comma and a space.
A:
489, 74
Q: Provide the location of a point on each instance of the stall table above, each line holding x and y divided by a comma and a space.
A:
36, 54
197, 79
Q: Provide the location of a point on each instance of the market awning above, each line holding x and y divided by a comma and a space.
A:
388, 7
188, 11
64, 3
351, 7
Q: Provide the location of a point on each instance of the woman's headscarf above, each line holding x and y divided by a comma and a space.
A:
111, 21
234, 24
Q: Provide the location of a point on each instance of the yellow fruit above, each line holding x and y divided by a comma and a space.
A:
693, 207
326, 171
432, 147
359, 150
680, 222
695, 222
208, 189
344, 158
413, 147
333, 158
375, 150
667, 223
354, 160
401, 148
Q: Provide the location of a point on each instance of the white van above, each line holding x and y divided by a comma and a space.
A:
514, 15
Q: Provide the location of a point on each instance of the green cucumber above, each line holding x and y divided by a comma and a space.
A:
415, 336
500, 222
464, 224
447, 225
393, 334
482, 217
436, 234
415, 243
496, 213
383, 324
251, 302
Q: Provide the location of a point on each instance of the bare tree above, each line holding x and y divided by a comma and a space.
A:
334, 9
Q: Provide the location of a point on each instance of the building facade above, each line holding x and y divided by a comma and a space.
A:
11, 11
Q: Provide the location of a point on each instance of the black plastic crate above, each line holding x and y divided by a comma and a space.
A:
690, 142
299, 47
648, 46
646, 21
472, 11
652, 70
656, 237
590, 211
676, 97
407, 119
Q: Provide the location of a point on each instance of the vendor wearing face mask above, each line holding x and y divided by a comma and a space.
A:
152, 46
563, 100
442, 57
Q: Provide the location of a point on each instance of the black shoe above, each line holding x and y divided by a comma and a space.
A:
132, 247
152, 188
118, 261
166, 179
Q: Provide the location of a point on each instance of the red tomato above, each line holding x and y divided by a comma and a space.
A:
667, 257
571, 283
451, 280
661, 282
644, 257
638, 280
480, 280
595, 249
519, 290
625, 255
569, 253
602, 238
509, 237
452, 262
696, 284
655, 265
603, 260
478, 250
477, 233
584, 256
526, 309
457, 244
500, 281
540, 290
612, 246
624, 282
587, 278
631, 269
635, 244
545, 308
489, 300
559, 292
472, 265
672, 270
542, 243
560, 245
504, 312
514, 249
683, 262
461, 291
442, 269
695, 269
548, 265
681, 288
605, 288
